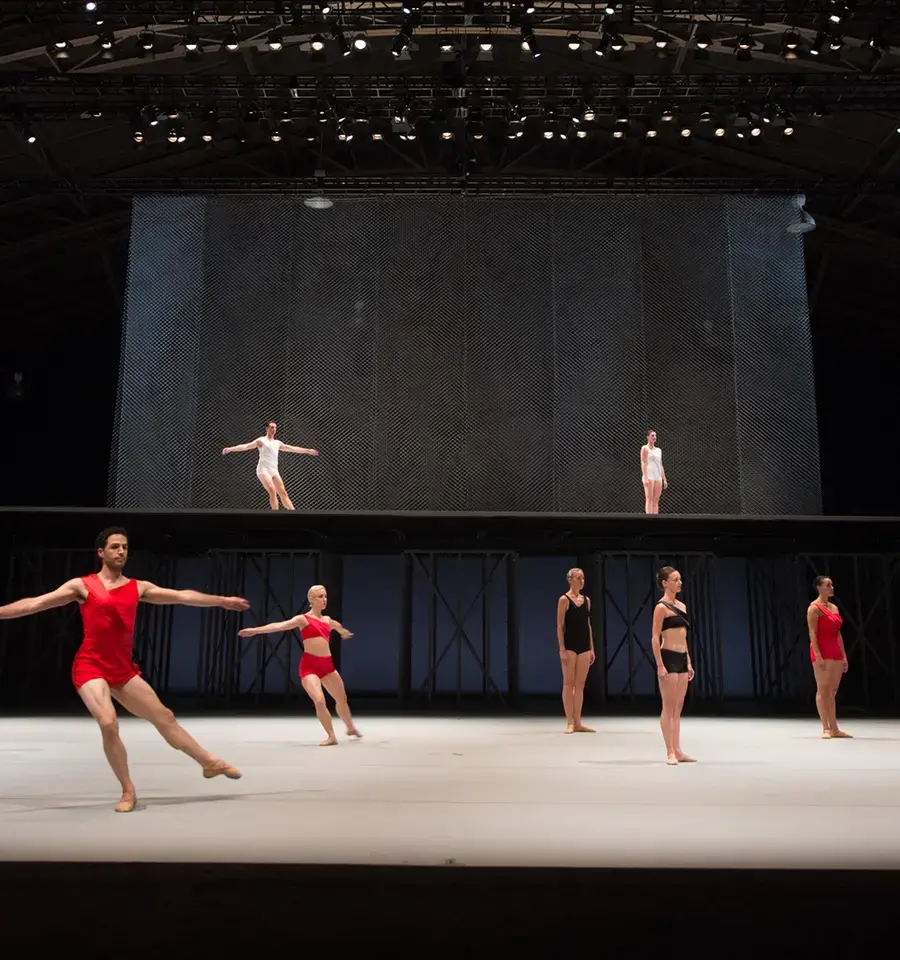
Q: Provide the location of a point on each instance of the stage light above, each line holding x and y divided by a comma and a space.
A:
145, 39
574, 42
360, 42
274, 41
685, 131
703, 41
317, 43
231, 42
485, 46
720, 131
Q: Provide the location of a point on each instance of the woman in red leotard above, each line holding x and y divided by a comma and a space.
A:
828, 656
316, 665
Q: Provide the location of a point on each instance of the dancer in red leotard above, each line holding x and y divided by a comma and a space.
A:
828, 656
103, 669
316, 665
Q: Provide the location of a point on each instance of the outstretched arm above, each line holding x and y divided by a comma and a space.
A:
287, 448
339, 627
294, 623
151, 593
69, 592
242, 447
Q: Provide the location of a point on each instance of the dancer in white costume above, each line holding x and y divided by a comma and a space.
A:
653, 473
267, 466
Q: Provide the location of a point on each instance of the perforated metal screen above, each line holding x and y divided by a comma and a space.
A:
480, 353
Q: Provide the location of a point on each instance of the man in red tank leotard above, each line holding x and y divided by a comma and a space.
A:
103, 668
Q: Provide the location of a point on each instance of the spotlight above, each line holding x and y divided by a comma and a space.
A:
145, 39
485, 46
703, 41
685, 131
720, 131
274, 41
317, 43
574, 42
360, 42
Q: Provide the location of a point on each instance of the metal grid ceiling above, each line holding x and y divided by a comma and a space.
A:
479, 353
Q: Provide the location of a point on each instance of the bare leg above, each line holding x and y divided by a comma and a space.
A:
96, 697
680, 694
648, 499
139, 698
668, 688
823, 695
582, 665
279, 489
568, 689
656, 490
313, 686
836, 669
335, 686
269, 487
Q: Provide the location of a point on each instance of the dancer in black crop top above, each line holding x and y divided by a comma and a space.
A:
669, 641
576, 648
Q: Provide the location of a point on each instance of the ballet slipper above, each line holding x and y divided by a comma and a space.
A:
220, 767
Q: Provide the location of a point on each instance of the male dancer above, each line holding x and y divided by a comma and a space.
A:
103, 668
267, 465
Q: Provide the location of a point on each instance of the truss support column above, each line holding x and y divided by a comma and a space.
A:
512, 630
404, 674
330, 573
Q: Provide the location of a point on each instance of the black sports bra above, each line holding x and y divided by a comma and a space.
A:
678, 619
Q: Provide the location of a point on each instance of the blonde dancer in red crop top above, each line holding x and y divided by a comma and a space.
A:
316, 665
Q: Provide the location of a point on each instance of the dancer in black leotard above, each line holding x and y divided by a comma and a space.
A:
576, 648
673, 661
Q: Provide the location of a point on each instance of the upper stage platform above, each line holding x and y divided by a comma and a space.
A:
184, 531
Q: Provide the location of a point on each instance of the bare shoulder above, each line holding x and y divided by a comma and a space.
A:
76, 588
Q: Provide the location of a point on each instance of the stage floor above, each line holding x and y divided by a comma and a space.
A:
478, 792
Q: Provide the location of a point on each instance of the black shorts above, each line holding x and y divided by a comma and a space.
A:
675, 661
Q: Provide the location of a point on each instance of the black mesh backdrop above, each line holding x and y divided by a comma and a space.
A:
484, 353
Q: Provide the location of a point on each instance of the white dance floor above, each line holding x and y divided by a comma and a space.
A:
479, 792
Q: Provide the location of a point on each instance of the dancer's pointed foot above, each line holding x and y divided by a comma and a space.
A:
684, 758
220, 768
329, 741
127, 803
841, 735
581, 728
354, 732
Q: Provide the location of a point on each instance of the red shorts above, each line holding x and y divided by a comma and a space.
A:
86, 668
315, 666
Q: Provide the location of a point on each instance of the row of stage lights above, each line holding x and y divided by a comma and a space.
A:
827, 40
404, 123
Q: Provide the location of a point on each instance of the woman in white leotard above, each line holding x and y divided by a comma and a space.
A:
653, 473
267, 466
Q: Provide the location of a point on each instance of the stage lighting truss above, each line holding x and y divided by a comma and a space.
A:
375, 107
783, 31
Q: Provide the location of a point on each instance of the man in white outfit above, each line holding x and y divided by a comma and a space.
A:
267, 466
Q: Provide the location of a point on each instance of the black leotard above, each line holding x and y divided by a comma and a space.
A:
577, 635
